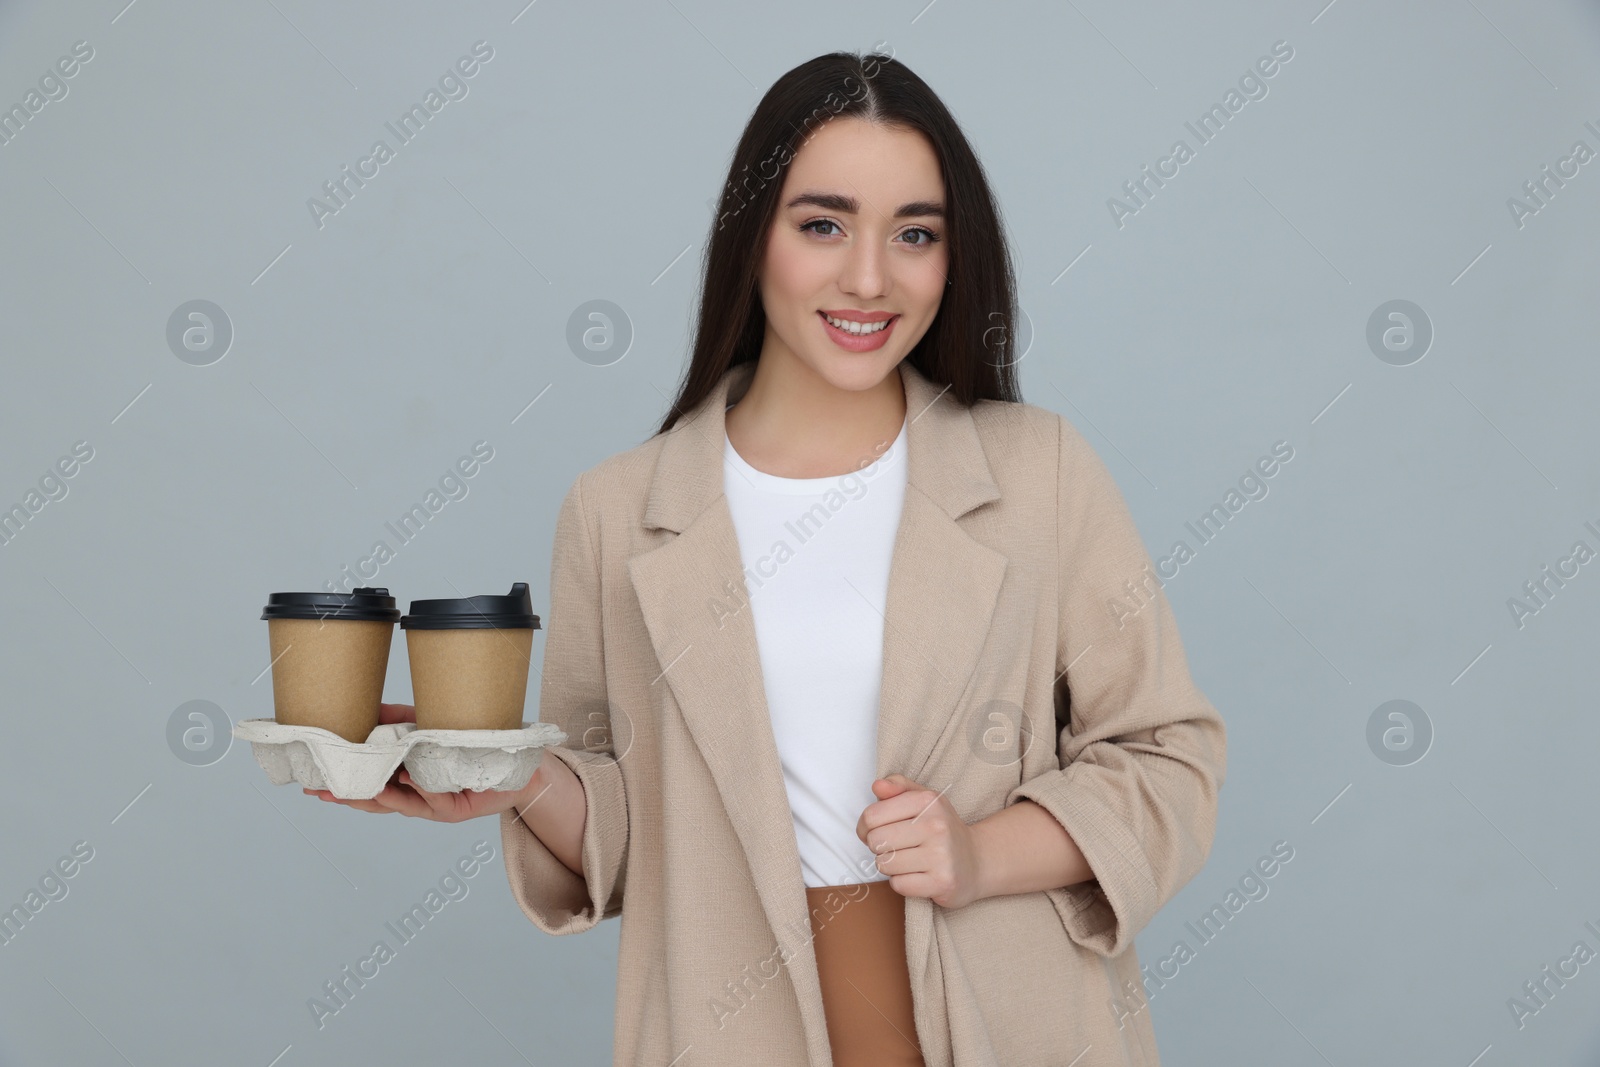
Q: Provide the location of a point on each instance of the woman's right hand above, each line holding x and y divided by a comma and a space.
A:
389, 714
402, 796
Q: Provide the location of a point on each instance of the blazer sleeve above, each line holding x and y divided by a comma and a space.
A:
572, 694
1141, 750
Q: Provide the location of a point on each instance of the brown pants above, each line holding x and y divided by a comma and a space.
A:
859, 936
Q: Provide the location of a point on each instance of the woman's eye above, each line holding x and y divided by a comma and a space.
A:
927, 236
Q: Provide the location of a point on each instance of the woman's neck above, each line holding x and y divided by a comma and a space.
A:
792, 424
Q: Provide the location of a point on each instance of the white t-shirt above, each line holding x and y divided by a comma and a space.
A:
816, 555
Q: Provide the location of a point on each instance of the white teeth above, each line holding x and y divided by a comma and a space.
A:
857, 327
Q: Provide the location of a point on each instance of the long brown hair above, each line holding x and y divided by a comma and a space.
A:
970, 344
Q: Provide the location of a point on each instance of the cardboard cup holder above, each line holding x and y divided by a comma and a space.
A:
469, 660
439, 761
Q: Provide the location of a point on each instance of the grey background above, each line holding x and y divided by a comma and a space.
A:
369, 354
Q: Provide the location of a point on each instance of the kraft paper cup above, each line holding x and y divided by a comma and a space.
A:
330, 653
469, 660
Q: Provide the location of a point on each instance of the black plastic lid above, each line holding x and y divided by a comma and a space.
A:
514, 611
365, 604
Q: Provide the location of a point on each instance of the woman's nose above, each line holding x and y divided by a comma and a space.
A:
865, 272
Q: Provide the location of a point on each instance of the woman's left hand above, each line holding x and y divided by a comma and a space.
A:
921, 843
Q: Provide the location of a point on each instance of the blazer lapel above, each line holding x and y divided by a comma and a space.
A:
943, 588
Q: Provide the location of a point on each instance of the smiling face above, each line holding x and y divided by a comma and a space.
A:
859, 236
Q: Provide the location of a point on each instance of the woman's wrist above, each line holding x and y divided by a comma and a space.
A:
1023, 849
538, 782
988, 859
554, 807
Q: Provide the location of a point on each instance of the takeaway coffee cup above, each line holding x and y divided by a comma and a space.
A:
469, 660
330, 652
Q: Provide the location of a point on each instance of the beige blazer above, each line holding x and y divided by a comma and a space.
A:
1018, 594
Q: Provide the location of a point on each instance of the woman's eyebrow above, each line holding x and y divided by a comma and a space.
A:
849, 205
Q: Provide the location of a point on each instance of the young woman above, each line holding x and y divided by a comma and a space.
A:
880, 736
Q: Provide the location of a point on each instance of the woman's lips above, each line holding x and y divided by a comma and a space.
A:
852, 342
